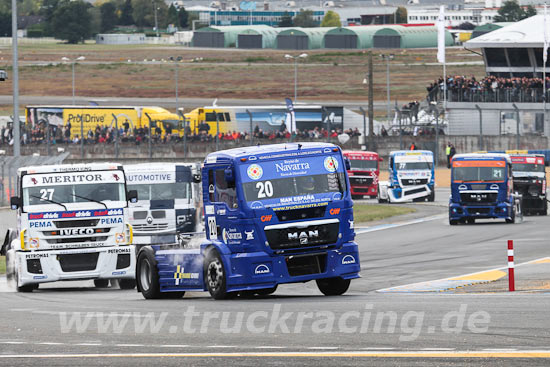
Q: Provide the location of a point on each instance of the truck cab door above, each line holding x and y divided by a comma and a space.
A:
223, 206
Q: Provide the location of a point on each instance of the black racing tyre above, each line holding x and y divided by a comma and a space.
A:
431, 197
126, 283
471, 220
544, 210
27, 288
215, 276
333, 286
513, 216
147, 276
101, 283
453, 222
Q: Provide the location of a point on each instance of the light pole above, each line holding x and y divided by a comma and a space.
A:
388, 58
295, 58
73, 61
175, 60
156, 18
15, 75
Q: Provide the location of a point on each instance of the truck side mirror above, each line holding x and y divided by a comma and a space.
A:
347, 163
15, 202
380, 159
132, 196
197, 178
229, 176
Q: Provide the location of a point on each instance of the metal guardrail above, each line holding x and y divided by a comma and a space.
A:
499, 95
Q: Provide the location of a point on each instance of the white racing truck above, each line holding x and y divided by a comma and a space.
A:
411, 177
72, 224
169, 202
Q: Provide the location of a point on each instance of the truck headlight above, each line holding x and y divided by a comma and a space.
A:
129, 233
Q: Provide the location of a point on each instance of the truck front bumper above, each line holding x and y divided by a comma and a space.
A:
500, 210
116, 262
257, 270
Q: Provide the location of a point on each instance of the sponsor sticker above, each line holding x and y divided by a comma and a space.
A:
331, 164
120, 237
255, 171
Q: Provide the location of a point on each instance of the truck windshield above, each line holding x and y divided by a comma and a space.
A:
294, 186
464, 174
402, 166
363, 164
41, 195
527, 167
73, 187
162, 191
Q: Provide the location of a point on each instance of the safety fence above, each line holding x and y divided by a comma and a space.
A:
9, 167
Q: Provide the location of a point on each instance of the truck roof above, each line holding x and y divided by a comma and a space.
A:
156, 166
359, 152
482, 156
411, 152
78, 167
527, 155
261, 150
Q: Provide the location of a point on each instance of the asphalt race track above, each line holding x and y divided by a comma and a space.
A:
73, 323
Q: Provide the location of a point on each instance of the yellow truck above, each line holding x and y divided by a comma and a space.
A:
87, 118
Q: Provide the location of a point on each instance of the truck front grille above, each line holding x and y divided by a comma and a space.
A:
76, 223
306, 265
293, 237
414, 181
78, 262
299, 214
478, 198
77, 239
150, 227
360, 181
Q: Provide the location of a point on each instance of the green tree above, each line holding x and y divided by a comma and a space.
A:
5, 24
95, 19
304, 19
183, 18
47, 11
126, 11
71, 21
172, 15
29, 7
331, 19
512, 12
401, 15
286, 20
109, 18
144, 13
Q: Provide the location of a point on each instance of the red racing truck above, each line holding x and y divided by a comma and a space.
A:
364, 173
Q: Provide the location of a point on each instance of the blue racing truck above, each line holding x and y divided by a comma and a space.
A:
411, 177
273, 214
482, 187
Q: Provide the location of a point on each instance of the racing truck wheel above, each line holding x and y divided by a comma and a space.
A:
453, 222
126, 283
333, 286
12, 277
431, 197
101, 283
215, 276
513, 216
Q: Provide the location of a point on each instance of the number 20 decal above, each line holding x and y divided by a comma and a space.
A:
265, 189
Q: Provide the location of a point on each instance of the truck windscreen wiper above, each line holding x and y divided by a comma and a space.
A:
89, 199
48, 200
340, 186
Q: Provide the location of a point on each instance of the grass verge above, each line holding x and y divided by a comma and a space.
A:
367, 213
2, 265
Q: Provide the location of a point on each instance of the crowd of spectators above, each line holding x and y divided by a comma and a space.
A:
39, 134
488, 89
